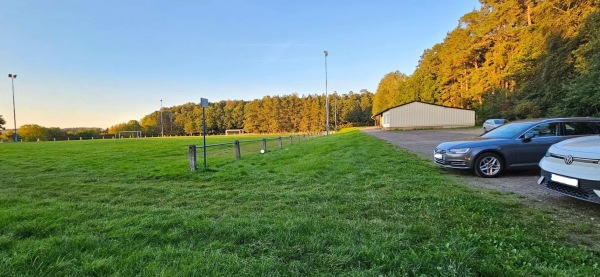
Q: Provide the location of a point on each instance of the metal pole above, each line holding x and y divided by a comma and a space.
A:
335, 109
204, 133
326, 98
12, 80
162, 134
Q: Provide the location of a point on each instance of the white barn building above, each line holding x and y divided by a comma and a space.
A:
419, 115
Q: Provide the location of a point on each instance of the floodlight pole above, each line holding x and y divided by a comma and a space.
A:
12, 80
335, 110
162, 133
326, 98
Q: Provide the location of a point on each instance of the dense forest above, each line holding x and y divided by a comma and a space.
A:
510, 59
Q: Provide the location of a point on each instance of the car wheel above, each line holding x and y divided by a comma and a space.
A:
489, 165
484, 130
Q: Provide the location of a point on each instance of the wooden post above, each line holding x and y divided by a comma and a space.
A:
238, 152
280, 143
291, 140
265, 145
192, 157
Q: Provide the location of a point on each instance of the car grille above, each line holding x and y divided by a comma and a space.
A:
584, 191
576, 159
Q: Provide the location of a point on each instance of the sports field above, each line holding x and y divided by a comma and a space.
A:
343, 205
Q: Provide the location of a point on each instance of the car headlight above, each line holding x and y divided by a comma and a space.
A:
459, 150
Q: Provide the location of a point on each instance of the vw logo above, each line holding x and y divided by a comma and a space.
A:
569, 159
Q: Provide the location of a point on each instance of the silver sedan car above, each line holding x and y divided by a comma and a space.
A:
519, 144
492, 124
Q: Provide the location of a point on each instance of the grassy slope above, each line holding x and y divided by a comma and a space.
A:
343, 205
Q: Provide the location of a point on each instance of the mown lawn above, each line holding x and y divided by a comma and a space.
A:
344, 205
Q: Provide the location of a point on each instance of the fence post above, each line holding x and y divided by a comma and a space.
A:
265, 145
238, 152
291, 140
192, 151
280, 143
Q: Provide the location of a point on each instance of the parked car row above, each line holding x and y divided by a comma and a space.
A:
526, 143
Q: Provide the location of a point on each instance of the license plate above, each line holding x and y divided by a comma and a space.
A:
438, 156
564, 180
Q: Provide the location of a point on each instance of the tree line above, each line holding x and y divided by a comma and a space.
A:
271, 114
511, 59
34, 132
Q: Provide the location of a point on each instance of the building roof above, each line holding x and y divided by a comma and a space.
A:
416, 101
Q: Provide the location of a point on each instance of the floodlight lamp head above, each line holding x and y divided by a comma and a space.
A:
326, 53
12, 76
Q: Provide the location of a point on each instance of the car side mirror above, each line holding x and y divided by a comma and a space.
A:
527, 137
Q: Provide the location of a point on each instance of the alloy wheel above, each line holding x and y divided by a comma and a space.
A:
490, 166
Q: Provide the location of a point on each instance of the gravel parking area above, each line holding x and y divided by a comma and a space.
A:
523, 182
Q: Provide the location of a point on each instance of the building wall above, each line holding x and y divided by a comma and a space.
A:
421, 115
386, 119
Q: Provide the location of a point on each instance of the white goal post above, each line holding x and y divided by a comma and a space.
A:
129, 134
234, 132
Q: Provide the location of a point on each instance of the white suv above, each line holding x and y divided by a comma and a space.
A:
572, 167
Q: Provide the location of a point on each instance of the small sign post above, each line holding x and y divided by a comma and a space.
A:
204, 104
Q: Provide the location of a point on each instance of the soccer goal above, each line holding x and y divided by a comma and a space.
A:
234, 132
129, 134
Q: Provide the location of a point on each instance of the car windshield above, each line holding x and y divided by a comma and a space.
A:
508, 130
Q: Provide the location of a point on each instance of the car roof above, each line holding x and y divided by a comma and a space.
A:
558, 119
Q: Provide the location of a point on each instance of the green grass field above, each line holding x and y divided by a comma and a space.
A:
343, 205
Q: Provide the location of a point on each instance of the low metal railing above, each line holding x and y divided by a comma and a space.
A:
238, 149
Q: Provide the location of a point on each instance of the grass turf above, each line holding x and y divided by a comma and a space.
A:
346, 204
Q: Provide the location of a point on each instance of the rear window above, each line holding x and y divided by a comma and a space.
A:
581, 128
499, 121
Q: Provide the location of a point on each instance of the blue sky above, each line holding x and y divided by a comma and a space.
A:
100, 63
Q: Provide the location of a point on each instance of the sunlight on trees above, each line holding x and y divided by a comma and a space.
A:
511, 59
